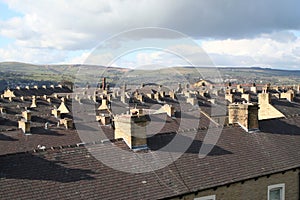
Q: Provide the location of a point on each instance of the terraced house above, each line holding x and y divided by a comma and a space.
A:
201, 142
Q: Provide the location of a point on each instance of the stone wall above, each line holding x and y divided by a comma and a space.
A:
253, 189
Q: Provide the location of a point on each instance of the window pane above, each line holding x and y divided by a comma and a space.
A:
275, 194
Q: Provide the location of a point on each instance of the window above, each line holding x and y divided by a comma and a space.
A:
276, 192
212, 197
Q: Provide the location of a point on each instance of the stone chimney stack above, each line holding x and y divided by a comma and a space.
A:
56, 113
33, 104
298, 89
162, 94
264, 99
26, 115
140, 97
172, 94
157, 96
169, 109
132, 128
289, 95
187, 94
229, 97
104, 105
228, 91
24, 126
253, 88
2, 109
103, 119
266, 88
246, 97
68, 123
246, 115
192, 101
240, 89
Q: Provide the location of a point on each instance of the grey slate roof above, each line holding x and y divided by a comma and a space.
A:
74, 173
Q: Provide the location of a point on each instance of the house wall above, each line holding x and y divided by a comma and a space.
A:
266, 110
254, 189
8, 93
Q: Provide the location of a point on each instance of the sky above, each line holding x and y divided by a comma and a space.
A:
263, 33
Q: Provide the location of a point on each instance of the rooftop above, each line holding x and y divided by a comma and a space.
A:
76, 173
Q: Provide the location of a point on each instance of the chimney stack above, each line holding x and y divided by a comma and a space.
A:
104, 105
103, 119
24, 126
169, 109
266, 88
68, 123
264, 98
172, 94
2, 110
240, 89
33, 104
157, 96
26, 115
246, 115
56, 113
247, 97
229, 97
289, 95
192, 101
132, 128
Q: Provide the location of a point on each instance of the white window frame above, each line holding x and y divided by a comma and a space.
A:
211, 197
282, 185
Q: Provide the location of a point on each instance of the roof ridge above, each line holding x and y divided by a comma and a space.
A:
69, 146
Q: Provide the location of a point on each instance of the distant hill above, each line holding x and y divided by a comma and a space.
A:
15, 73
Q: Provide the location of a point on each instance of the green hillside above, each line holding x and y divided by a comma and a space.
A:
15, 73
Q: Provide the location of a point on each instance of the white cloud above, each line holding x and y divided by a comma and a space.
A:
276, 50
176, 55
31, 55
75, 25
240, 32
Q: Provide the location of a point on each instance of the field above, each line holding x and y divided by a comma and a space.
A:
14, 73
